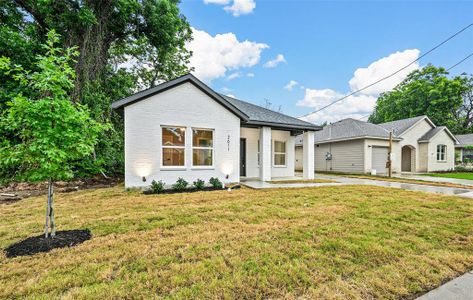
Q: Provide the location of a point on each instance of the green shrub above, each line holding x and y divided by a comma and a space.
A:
199, 184
180, 185
216, 183
157, 187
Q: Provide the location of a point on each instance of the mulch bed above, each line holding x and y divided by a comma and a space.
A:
192, 190
37, 244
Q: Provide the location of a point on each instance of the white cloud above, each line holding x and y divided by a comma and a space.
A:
230, 95
382, 68
226, 90
291, 85
362, 103
213, 56
250, 75
274, 62
241, 7
234, 75
237, 8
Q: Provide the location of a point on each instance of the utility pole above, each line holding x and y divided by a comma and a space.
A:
390, 168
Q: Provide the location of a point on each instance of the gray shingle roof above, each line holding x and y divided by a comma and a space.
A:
348, 129
431, 133
260, 114
464, 139
400, 126
248, 113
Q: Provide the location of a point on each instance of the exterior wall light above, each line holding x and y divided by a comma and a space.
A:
143, 178
227, 176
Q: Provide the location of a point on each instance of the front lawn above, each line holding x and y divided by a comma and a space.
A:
344, 242
457, 175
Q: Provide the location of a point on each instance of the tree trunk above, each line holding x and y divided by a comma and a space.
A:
50, 223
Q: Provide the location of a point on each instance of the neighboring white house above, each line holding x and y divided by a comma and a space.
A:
359, 147
182, 128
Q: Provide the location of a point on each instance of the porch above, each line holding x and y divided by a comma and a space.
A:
269, 152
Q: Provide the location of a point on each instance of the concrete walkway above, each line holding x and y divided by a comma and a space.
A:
341, 180
460, 288
435, 179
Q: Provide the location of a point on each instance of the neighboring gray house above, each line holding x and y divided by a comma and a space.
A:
182, 128
355, 146
465, 147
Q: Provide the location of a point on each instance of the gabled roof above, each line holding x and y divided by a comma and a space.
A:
400, 126
464, 140
249, 114
347, 129
433, 132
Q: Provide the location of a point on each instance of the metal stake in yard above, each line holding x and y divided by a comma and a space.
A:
50, 212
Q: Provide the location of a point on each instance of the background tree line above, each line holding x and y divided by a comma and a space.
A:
446, 100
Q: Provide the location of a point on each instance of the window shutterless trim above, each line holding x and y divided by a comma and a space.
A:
200, 167
279, 153
173, 167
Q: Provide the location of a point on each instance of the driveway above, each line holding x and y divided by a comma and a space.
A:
405, 186
342, 180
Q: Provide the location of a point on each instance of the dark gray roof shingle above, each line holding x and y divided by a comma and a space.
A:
260, 114
464, 139
348, 129
400, 126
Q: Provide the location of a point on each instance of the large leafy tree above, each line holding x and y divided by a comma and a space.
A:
108, 34
94, 26
429, 91
47, 133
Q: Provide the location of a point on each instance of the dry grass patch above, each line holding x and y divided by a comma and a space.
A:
332, 242
302, 181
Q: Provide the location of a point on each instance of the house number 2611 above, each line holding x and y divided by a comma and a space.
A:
228, 142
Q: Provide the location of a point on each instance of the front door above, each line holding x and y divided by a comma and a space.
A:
242, 157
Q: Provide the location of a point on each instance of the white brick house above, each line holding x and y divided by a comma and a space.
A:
182, 128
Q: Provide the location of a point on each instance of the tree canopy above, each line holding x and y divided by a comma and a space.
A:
429, 91
122, 46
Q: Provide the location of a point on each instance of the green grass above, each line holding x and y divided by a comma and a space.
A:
344, 242
457, 175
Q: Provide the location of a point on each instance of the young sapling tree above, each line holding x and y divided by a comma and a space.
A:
49, 131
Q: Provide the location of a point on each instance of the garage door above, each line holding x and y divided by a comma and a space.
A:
379, 157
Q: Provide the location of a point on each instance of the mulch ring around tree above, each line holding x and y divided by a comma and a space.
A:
37, 244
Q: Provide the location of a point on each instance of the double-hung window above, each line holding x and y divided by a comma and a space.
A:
202, 147
173, 146
441, 153
279, 156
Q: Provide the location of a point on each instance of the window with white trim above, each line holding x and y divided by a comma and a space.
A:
202, 147
441, 153
173, 146
279, 155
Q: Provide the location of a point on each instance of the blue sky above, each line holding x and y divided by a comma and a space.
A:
320, 45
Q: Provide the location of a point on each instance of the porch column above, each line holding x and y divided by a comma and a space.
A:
308, 155
265, 153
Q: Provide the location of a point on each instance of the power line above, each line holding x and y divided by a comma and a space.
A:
392, 74
461, 61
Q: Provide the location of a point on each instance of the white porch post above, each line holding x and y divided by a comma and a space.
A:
265, 153
308, 155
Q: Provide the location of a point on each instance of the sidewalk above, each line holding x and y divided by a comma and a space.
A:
460, 288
